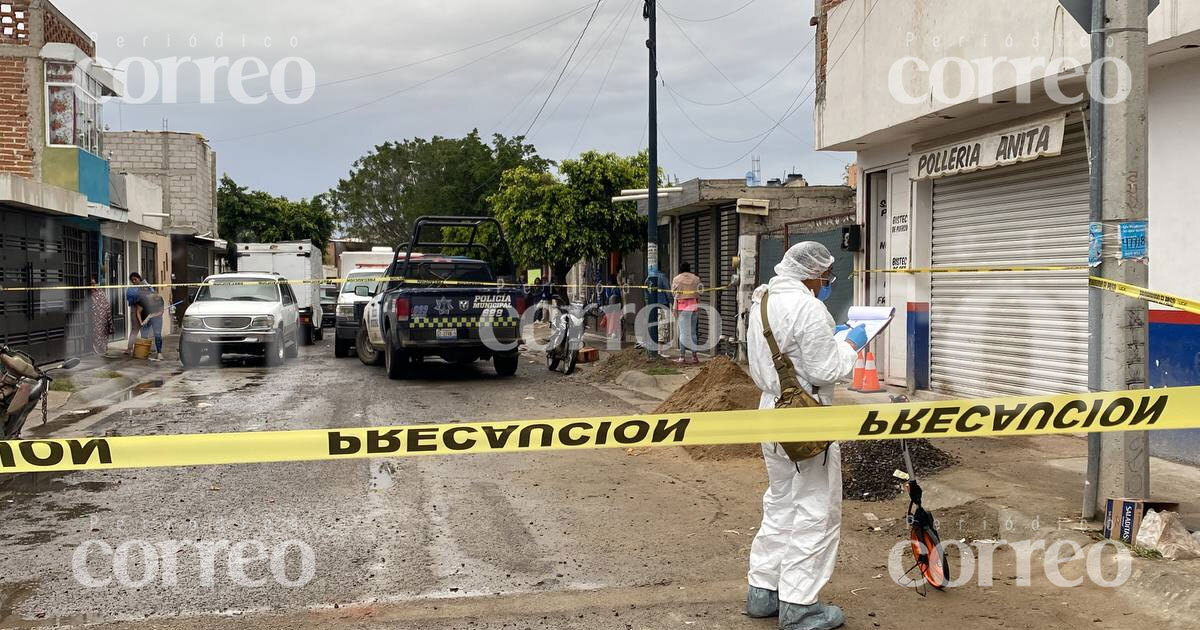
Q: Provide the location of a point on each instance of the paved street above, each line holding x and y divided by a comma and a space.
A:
595, 539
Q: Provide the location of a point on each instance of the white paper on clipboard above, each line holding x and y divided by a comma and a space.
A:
875, 318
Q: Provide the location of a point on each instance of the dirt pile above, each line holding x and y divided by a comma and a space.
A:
611, 366
721, 386
867, 467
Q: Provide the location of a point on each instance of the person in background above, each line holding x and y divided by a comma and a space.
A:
131, 296
795, 550
102, 324
535, 298
150, 309
686, 288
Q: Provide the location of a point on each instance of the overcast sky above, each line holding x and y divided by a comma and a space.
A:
302, 149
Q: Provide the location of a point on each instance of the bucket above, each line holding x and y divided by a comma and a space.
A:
142, 348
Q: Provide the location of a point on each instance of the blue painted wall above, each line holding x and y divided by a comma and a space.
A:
1175, 362
93, 178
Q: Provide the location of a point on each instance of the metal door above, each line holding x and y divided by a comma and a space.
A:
77, 263
891, 349
1012, 333
727, 299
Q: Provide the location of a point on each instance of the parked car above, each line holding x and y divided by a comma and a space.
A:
439, 306
349, 307
243, 313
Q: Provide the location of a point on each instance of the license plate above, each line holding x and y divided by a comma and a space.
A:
447, 333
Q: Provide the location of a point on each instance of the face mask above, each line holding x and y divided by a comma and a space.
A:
825, 292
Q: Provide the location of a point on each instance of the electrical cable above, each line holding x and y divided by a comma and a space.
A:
792, 108
726, 77
564, 70
509, 118
604, 81
751, 92
408, 88
711, 19
585, 65
419, 62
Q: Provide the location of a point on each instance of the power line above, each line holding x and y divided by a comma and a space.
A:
585, 64
726, 77
751, 92
408, 88
603, 82
505, 119
711, 19
564, 70
419, 62
795, 104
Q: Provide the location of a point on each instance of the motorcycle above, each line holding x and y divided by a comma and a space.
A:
24, 384
567, 324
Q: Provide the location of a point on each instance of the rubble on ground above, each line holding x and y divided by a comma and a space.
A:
867, 467
632, 358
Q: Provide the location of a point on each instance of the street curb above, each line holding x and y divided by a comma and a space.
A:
103, 390
658, 387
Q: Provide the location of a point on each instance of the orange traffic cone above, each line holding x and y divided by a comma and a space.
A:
860, 372
871, 381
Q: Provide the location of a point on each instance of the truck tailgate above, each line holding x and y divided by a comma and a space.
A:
458, 314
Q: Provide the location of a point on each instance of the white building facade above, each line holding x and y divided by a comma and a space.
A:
970, 124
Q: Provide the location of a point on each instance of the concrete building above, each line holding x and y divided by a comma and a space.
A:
715, 221
184, 167
54, 180
969, 124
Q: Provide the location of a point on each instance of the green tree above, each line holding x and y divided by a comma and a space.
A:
396, 182
559, 221
254, 216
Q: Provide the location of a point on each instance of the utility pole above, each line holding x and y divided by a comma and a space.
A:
1122, 468
650, 13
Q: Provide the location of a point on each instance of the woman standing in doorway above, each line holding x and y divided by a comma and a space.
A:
102, 324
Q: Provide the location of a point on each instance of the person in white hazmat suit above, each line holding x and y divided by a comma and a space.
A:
793, 554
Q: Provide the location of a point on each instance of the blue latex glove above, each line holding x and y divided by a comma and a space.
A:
857, 337
840, 328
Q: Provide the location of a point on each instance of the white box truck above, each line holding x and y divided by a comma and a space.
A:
300, 263
377, 258
354, 269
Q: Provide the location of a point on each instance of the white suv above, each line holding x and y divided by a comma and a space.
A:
245, 313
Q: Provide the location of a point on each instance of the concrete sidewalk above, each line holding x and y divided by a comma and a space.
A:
100, 377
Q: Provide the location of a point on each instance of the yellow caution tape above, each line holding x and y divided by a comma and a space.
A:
1172, 408
976, 269
334, 281
1157, 297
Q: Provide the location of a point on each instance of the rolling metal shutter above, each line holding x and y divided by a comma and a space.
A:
1012, 333
703, 268
696, 248
727, 300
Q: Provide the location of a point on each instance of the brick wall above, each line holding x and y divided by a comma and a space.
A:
58, 28
16, 153
181, 163
14, 22
823, 44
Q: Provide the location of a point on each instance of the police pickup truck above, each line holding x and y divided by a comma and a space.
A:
437, 305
